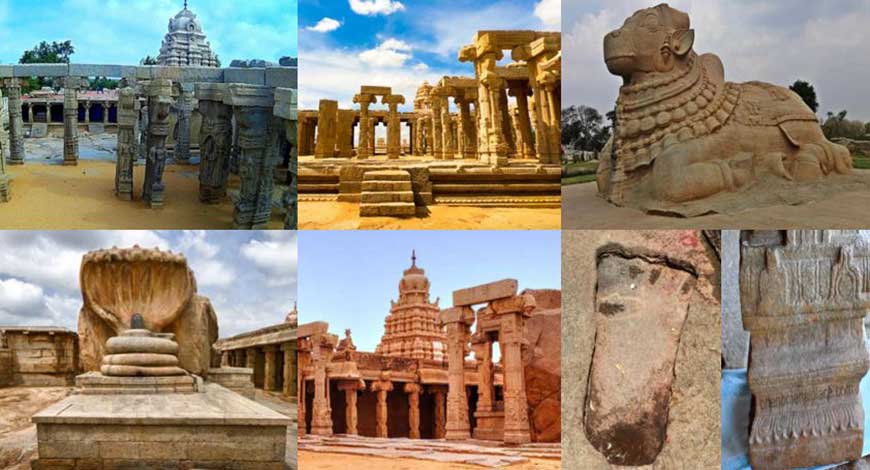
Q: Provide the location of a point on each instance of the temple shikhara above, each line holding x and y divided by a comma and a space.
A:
421, 382
491, 139
185, 43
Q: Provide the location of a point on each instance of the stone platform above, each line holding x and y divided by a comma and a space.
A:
216, 428
95, 383
473, 452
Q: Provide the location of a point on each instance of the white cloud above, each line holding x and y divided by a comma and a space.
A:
421, 67
376, 7
389, 53
276, 257
325, 25
21, 298
549, 12
196, 240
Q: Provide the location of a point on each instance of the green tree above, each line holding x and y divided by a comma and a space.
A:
583, 128
45, 53
148, 60
806, 92
102, 83
217, 60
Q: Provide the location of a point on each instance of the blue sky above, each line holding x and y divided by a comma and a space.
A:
250, 277
348, 43
776, 41
125, 31
348, 278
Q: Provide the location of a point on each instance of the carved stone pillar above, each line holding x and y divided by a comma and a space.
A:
804, 295
394, 125
215, 142
105, 112
457, 320
88, 112
184, 107
437, 131
466, 146
71, 120
290, 371
270, 374
524, 123
365, 126
382, 387
303, 356
159, 94
225, 359
440, 415
413, 390
251, 358
513, 312
16, 127
321, 410
5, 194
344, 133
485, 389
351, 388
128, 116
258, 146
448, 143
327, 117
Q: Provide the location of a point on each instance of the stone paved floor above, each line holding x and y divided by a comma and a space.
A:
474, 453
275, 402
583, 209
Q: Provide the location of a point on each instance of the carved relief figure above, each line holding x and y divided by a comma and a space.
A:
683, 133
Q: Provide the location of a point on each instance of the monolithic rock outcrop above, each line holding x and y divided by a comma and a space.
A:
542, 359
687, 142
119, 283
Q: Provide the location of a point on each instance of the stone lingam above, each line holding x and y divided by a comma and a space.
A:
145, 400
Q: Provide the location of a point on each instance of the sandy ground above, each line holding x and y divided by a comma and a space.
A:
332, 215
330, 461
17, 434
583, 209
51, 196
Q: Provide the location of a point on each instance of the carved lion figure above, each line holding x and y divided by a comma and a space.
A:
683, 133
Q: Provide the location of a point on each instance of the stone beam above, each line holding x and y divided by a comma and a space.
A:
485, 292
375, 90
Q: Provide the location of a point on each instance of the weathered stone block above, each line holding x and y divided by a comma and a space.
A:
485, 292
96, 70
245, 76
281, 77
201, 74
40, 70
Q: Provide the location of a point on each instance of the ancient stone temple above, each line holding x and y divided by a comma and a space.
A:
411, 329
505, 120
688, 142
185, 43
37, 356
421, 384
804, 295
150, 396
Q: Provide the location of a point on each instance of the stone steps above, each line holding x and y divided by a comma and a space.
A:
387, 193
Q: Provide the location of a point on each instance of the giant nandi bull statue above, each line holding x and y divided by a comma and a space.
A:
683, 133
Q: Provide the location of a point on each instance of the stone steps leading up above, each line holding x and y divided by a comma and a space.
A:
387, 193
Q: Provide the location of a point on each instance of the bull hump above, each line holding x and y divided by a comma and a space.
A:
764, 104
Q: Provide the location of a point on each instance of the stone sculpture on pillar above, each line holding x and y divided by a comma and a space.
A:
413, 390
215, 140
184, 105
128, 116
804, 295
253, 108
394, 132
159, 93
351, 389
16, 127
71, 120
321, 411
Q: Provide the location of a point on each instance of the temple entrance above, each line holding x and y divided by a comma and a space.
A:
397, 412
338, 402
367, 404
427, 416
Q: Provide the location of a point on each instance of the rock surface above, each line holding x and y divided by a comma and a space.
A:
543, 373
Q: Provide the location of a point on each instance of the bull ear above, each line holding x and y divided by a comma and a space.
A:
682, 41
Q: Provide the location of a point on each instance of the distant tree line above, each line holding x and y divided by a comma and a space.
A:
583, 128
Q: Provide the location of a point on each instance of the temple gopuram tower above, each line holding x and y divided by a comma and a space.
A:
411, 329
185, 43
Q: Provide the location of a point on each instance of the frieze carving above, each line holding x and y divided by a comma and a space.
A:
804, 295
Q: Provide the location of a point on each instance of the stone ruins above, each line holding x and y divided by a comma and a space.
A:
687, 142
420, 384
642, 370
490, 151
37, 356
246, 122
151, 394
804, 295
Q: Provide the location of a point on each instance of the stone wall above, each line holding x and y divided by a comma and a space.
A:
5, 367
41, 357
